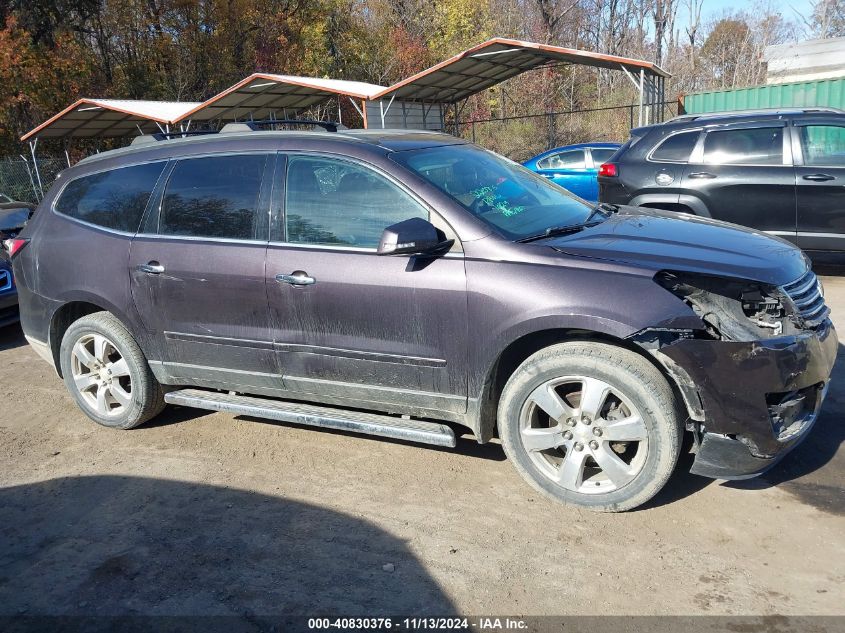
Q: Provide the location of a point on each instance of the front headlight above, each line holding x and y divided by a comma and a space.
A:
732, 309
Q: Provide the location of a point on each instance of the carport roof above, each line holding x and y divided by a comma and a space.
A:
109, 118
496, 60
261, 95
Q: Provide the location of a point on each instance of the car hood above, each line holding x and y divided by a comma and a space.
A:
664, 240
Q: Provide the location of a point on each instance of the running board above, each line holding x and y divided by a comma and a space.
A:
325, 417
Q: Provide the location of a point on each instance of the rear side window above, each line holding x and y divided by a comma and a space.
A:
214, 197
749, 146
676, 148
573, 159
113, 199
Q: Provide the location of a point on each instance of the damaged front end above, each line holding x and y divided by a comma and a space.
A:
754, 375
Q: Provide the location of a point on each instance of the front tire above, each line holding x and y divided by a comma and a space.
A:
107, 374
592, 425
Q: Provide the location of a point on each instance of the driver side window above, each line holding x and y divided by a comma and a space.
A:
335, 202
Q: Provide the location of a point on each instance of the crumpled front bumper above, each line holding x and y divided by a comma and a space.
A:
745, 388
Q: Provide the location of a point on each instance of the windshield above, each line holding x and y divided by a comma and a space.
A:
512, 199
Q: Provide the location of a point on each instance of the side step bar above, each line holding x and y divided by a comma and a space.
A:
326, 417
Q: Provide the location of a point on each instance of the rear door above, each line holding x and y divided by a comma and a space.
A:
569, 170
820, 183
743, 173
351, 326
198, 271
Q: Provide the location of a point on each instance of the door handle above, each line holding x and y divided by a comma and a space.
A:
819, 177
701, 174
153, 268
297, 278
549, 176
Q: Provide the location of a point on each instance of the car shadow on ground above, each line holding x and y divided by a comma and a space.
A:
110, 545
815, 470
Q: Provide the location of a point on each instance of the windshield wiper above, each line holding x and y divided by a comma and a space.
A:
602, 208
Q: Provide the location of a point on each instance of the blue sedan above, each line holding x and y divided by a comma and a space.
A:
574, 167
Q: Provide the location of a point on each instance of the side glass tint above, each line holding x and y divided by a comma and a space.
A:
565, 160
676, 148
751, 146
113, 199
214, 197
330, 201
823, 145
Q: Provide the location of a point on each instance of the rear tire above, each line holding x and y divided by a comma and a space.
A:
592, 425
107, 374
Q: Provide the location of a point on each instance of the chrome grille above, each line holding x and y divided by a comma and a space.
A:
807, 297
5, 280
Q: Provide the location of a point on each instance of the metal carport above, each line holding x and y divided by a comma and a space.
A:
498, 59
263, 95
106, 118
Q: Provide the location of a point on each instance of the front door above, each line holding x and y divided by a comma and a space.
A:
744, 174
820, 183
198, 272
350, 326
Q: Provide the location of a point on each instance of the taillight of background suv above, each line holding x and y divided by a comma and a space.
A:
610, 170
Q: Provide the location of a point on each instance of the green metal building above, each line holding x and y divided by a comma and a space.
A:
799, 94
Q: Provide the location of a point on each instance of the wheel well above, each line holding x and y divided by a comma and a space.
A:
669, 206
62, 320
519, 350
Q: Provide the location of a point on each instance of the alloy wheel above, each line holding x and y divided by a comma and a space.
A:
101, 375
583, 434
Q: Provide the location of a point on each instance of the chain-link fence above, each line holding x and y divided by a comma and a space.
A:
20, 182
521, 137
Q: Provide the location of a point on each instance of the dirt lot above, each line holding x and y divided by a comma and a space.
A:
209, 514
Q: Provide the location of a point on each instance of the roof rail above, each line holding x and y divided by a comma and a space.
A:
730, 113
146, 139
242, 126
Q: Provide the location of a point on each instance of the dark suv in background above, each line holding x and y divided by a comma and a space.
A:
13, 217
399, 283
782, 172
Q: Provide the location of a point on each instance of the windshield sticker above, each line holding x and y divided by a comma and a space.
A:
494, 200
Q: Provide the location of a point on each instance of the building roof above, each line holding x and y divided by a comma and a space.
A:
805, 61
108, 118
496, 60
262, 94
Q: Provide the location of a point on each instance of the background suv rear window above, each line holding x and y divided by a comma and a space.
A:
748, 146
113, 199
677, 148
213, 197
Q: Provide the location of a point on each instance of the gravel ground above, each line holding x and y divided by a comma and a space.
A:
200, 513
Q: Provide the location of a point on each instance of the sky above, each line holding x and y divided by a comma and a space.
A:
715, 8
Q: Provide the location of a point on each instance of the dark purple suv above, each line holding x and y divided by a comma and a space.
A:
399, 284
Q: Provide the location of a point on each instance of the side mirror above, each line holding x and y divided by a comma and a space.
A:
413, 237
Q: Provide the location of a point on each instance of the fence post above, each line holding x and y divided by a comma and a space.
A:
473, 130
551, 123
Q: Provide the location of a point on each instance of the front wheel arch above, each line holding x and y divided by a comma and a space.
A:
512, 356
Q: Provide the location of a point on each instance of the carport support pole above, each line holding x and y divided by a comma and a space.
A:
29, 173
642, 82
32, 145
